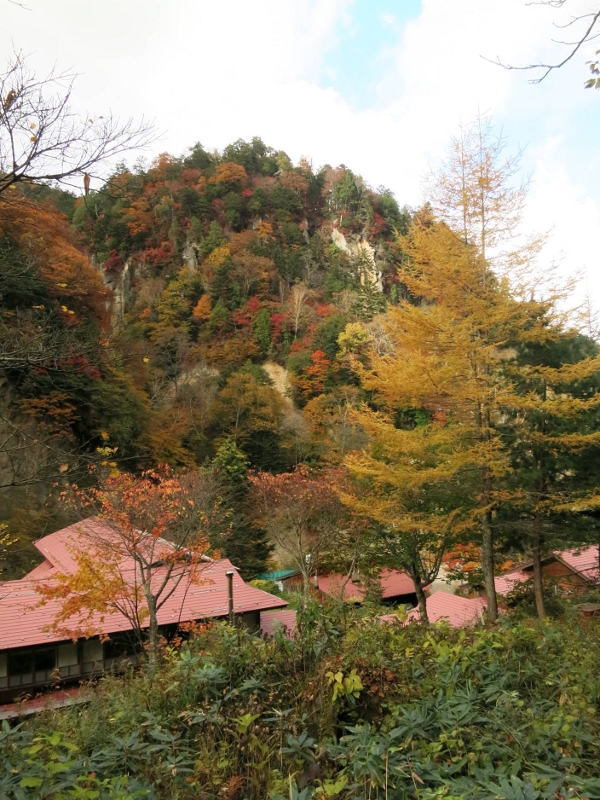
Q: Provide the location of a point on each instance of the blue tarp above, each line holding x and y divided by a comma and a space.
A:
278, 575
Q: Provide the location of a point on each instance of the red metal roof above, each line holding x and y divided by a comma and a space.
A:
393, 583
457, 611
583, 560
23, 622
507, 582
271, 621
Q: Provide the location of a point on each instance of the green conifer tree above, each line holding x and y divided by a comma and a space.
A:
262, 330
214, 239
246, 545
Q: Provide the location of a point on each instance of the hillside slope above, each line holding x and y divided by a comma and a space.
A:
219, 262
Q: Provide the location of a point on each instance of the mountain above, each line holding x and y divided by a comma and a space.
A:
194, 300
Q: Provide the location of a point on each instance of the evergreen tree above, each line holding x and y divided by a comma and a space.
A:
246, 545
214, 239
554, 436
262, 330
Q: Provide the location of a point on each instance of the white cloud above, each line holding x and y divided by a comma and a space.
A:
215, 72
572, 214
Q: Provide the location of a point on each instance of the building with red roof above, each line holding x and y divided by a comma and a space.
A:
397, 587
33, 653
273, 621
447, 607
574, 570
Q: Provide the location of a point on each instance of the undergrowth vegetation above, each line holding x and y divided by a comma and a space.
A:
347, 709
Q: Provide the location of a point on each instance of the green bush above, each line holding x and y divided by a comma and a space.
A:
349, 708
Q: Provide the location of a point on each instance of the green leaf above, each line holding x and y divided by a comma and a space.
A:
30, 783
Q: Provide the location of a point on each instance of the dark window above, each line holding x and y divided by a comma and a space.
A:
31, 666
19, 663
44, 659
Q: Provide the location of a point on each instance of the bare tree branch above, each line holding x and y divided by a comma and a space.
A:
588, 35
43, 140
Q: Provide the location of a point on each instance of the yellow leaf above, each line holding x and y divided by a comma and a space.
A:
145, 359
63, 468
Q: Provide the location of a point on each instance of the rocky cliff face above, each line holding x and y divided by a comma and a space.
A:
190, 255
363, 254
120, 285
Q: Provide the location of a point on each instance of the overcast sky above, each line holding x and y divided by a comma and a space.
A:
379, 85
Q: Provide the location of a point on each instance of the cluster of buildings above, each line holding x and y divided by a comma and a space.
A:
35, 654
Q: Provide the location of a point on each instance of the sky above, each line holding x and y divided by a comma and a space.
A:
378, 85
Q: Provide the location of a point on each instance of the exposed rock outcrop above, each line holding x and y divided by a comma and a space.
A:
364, 255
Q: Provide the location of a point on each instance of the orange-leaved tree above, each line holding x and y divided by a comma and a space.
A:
305, 519
52, 318
153, 543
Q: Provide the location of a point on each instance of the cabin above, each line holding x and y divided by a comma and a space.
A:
286, 579
396, 587
273, 622
574, 571
34, 656
447, 607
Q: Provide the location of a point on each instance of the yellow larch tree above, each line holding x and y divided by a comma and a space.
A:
407, 482
463, 323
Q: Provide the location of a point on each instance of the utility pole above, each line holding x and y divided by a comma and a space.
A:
230, 573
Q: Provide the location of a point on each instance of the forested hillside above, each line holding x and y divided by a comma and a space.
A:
199, 271
360, 385
224, 262
185, 302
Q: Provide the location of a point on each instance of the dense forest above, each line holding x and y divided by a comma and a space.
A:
230, 354
271, 324
187, 303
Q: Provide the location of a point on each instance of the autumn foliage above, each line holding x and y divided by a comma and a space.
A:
155, 535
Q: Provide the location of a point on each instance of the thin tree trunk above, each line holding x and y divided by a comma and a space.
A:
422, 600
152, 640
414, 570
487, 565
538, 584
306, 588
